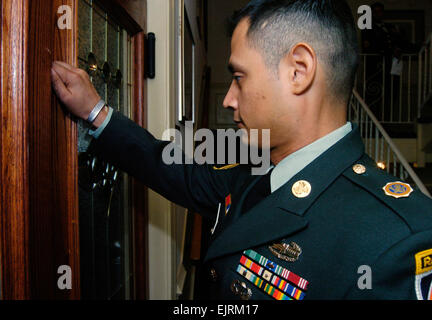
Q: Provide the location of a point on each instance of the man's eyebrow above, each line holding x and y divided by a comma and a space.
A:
233, 68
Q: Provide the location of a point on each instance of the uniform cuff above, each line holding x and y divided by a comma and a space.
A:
95, 134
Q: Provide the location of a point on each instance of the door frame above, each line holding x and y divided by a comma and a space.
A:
39, 216
14, 197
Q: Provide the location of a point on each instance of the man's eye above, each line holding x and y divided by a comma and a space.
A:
237, 78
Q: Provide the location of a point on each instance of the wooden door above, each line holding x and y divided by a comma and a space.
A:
39, 207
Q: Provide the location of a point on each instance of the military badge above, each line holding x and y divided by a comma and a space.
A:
227, 204
423, 275
398, 189
288, 252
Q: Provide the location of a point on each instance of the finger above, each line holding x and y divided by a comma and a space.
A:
59, 86
65, 65
63, 72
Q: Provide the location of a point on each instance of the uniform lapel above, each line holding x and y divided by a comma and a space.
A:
263, 223
282, 214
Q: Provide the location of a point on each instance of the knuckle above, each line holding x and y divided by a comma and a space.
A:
82, 73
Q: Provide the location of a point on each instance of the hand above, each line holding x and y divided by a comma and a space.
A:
73, 87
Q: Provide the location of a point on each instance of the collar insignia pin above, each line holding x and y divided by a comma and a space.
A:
287, 252
301, 189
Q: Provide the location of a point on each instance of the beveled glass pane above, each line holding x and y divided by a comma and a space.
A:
84, 138
84, 29
113, 46
122, 67
99, 85
113, 96
129, 63
121, 50
129, 102
99, 36
103, 191
121, 99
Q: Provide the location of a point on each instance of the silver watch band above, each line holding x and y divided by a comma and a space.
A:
96, 110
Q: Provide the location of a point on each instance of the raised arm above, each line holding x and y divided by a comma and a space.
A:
135, 151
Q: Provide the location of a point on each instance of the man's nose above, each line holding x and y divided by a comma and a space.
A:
230, 100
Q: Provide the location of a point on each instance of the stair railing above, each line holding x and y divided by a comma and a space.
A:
425, 74
396, 90
378, 144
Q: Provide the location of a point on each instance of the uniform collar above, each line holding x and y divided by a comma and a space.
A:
297, 161
281, 213
322, 172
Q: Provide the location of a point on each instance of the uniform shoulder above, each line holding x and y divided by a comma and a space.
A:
405, 200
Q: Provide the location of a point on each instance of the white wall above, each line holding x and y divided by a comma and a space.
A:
160, 92
166, 220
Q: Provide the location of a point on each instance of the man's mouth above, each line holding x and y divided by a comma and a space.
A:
239, 124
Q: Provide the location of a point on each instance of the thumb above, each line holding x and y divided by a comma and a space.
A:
59, 87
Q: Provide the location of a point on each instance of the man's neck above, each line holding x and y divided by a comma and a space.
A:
309, 135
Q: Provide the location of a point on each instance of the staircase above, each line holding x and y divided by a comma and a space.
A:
399, 100
425, 82
394, 113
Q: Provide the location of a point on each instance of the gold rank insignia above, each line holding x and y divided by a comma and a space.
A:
398, 189
230, 166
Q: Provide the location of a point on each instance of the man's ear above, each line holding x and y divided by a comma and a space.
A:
300, 66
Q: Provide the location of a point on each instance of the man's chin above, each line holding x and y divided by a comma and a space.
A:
256, 138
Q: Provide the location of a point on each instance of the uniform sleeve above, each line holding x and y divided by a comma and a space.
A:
98, 132
403, 272
134, 150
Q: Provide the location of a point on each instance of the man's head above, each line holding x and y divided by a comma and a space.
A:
281, 51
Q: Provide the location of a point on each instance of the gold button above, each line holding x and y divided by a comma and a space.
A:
301, 189
359, 169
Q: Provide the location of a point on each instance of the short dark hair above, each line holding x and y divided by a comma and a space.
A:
327, 25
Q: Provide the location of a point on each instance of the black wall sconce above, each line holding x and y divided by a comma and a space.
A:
151, 56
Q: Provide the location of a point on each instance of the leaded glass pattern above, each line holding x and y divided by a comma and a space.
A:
105, 221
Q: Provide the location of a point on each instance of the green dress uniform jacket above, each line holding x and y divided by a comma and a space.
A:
344, 238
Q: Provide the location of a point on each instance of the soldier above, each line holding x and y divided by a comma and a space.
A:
325, 211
